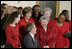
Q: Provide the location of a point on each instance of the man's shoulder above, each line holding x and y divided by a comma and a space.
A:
27, 37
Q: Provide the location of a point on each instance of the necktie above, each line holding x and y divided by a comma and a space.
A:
35, 42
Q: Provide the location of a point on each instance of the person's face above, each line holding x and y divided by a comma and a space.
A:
28, 15
67, 16
37, 10
44, 22
61, 19
47, 14
6, 6
17, 19
34, 29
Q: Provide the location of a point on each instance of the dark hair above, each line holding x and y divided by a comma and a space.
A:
61, 14
3, 5
11, 18
33, 13
26, 10
65, 12
34, 7
29, 27
20, 8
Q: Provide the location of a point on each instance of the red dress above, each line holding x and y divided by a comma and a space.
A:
44, 38
22, 27
12, 36
61, 41
69, 25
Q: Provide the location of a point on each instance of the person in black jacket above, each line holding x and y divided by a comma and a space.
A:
30, 40
4, 17
3, 39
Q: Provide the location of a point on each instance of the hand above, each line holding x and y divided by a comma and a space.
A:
65, 47
69, 31
2, 46
20, 47
46, 46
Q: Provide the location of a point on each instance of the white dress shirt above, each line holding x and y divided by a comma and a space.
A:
32, 35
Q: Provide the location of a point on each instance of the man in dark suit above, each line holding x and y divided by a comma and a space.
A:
29, 40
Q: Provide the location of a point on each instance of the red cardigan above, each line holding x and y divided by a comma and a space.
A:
22, 27
69, 25
61, 41
42, 36
12, 36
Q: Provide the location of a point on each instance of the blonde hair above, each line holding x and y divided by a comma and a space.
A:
26, 10
44, 18
47, 9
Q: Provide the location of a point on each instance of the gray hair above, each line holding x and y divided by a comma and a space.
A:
29, 27
44, 18
47, 9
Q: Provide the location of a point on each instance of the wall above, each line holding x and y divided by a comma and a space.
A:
20, 3
65, 5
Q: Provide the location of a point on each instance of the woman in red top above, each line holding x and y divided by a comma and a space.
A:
44, 34
27, 12
61, 28
66, 13
44, 27
12, 33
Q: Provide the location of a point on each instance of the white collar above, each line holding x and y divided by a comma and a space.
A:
31, 35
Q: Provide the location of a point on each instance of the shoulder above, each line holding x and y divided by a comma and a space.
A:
31, 20
66, 24
27, 37
21, 21
69, 21
51, 22
8, 27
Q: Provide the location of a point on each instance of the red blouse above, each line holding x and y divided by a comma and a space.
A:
44, 38
22, 27
69, 25
12, 36
61, 41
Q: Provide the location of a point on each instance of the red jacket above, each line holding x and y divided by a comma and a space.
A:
43, 37
61, 41
12, 36
22, 27
69, 25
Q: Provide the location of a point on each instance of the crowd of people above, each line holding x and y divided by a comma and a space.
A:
28, 28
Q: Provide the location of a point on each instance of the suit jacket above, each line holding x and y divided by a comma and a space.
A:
29, 43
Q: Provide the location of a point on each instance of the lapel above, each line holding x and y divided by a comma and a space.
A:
33, 41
